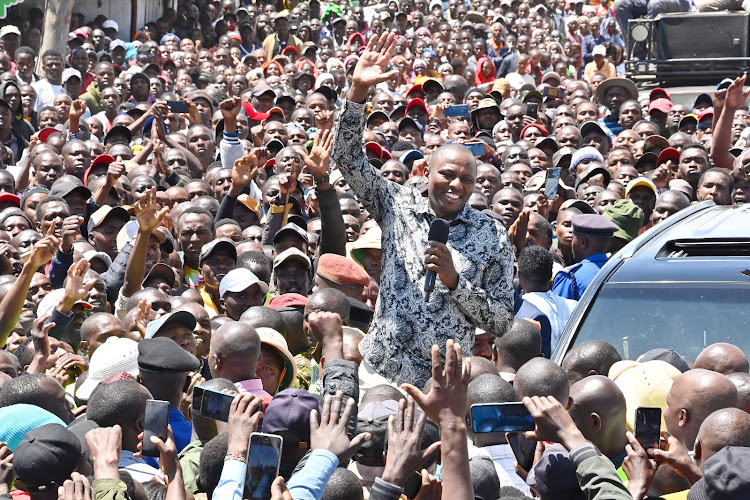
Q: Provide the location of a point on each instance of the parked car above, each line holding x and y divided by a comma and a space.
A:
684, 284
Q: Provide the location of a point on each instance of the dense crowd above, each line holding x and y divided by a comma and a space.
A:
242, 199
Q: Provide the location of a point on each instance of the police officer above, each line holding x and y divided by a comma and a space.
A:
592, 235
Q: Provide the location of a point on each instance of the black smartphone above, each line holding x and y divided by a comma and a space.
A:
501, 417
532, 109
457, 110
197, 398
476, 148
648, 426
523, 449
263, 464
550, 185
178, 106
155, 423
556, 92
215, 404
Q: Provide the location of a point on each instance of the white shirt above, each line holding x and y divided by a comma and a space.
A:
45, 93
502, 456
556, 308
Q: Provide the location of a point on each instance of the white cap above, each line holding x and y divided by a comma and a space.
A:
116, 43
240, 279
70, 72
93, 254
114, 356
52, 300
110, 24
599, 50
9, 30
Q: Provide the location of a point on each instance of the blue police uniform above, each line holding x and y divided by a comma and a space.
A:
572, 281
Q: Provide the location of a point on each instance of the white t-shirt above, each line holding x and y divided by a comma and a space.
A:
45, 93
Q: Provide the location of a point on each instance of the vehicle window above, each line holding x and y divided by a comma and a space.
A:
686, 317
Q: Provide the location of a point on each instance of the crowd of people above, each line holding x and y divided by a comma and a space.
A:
242, 197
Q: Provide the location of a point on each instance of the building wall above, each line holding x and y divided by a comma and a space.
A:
118, 10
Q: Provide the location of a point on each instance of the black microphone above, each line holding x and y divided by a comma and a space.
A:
438, 232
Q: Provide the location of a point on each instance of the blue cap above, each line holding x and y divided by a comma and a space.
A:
217, 244
593, 226
411, 155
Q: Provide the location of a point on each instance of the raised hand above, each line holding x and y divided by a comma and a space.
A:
230, 108
676, 456
736, 96
639, 468
370, 69
279, 491
518, 230
104, 445
143, 309
146, 212
327, 329
115, 170
405, 454
44, 249
246, 168
77, 109
553, 422
75, 488
40, 338
324, 119
330, 432
317, 160
71, 227
168, 461
446, 400
244, 416
6, 468
75, 288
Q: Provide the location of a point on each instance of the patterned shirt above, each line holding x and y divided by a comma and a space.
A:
405, 327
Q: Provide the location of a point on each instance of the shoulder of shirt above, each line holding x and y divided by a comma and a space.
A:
571, 269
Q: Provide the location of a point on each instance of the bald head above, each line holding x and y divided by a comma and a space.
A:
694, 396
259, 316
593, 357
742, 382
329, 300
599, 411
542, 377
723, 358
235, 349
726, 427
514, 349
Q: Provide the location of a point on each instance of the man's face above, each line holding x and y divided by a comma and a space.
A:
643, 198
630, 113
200, 143
514, 118
564, 230
180, 334
292, 276
715, 186
53, 67
693, 162
105, 75
107, 327
216, 266
393, 172
77, 159
48, 118
104, 236
25, 64
193, 232
48, 167
508, 203
613, 99
665, 207
451, 179
110, 100
236, 303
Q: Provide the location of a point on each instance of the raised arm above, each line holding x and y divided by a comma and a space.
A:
722, 132
370, 187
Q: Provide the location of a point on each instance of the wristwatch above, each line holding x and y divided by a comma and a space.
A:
319, 181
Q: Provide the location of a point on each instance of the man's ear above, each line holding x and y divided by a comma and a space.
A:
684, 417
84, 346
139, 424
570, 403
495, 354
596, 422
697, 451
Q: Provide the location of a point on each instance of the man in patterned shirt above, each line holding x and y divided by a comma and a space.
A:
475, 268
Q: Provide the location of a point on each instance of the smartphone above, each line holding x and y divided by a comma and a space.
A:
523, 449
178, 106
263, 464
476, 148
156, 420
457, 110
648, 426
501, 417
197, 398
550, 185
556, 92
532, 110
215, 404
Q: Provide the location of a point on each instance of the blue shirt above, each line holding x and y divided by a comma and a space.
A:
572, 281
182, 430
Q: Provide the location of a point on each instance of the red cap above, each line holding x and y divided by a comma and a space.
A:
290, 48
14, 198
103, 159
662, 104
538, 126
288, 300
668, 154
657, 93
45, 133
254, 115
375, 148
706, 112
415, 88
416, 103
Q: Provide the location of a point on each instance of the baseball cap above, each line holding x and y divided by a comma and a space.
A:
373, 418
52, 299
661, 104
599, 50
68, 73
289, 413
184, 317
113, 356
9, 30
669, 355
130, 230
163, 355
63, 189
216, 245
291, 228
110, 24
724, 476
93, 254
46, 457
641, 181
668, 154
291, 254
10, 197
116, 43
240, 279
104, 212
